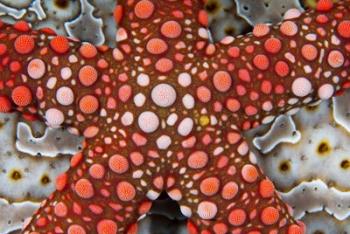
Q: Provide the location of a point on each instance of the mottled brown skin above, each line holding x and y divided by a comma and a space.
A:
134, 150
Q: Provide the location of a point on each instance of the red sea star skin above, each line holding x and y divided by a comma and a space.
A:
166, 112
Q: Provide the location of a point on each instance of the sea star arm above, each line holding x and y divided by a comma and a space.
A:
57, 78
221, 189
74, 84
104, 191
278, 68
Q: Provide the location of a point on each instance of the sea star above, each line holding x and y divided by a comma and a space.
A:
165, 109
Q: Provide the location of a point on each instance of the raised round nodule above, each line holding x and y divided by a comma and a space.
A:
137, 158
326, 91
261, 30
21, 96
261, 62
344, 29
54, 117
230, 190
237, 217
188, 101
171, 29
295, 229
148, 121
118, 164
282, 68
143, 80
61, 209
36, 68
309, 52
76, 229
87, 75
163, 95
203, 94
301, 87
233, 104
88, 50
164, 65
324, 5
65, 96
210, 186
107, 226
59, 44
156, 46
266, 188
5, 105
185, 127
197, 160
97, 171
184, 79
207, 210
336, 59
126, 191
24, 44
273, 45
269, 215
222, 81
84, 188
88, 104
289, 28
292, 14
249, 173
144, 9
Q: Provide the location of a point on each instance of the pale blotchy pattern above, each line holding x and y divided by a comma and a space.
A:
322, 144
25, 179
201, 95
268, 11
316, 196
224, 21
321, 223
311, 169
51, 143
